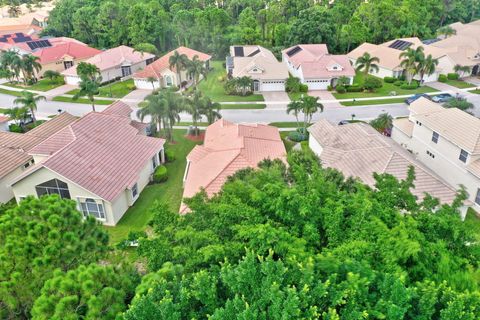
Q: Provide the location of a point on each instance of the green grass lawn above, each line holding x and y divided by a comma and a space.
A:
41, 85
372, 102
243, 106
10, 92
3, 110
475, 91
212, 87
113, 90
296, 95
186, 123
82, 100
459, 84
287, 124
137, 216
474, 221
380, 92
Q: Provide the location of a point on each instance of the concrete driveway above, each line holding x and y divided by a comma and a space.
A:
330, 100
276, 99
135, 97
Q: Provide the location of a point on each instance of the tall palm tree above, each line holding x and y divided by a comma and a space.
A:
463, 69
446, 31
295, 107
366, 63
179, 61
194, 107
211, 110
88, 70
244, 83
30, 65
11, 60
88, 88
427, 66
310, 106
154, 107
409, 61
382, 123
197, 68
29, 100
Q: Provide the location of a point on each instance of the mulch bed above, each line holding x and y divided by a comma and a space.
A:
198, 138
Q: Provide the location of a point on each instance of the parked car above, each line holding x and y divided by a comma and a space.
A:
444, 97
411, 99
343, 122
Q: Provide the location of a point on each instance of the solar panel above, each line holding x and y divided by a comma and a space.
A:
238, 51
400, 45
294, 51
39, 44
254, 53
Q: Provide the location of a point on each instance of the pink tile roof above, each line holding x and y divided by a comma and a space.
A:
4, 119
155, 69
101, 152
112, 58
229, 147
72, 49
317, 63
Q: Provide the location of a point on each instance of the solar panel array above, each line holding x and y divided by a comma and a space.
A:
238, 51
400, 45
17, 38
39, 44
294, 51
254, 53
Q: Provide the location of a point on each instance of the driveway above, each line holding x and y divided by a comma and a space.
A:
329, 101
276, 99
135, 97
473, 80
58, 91
440, 86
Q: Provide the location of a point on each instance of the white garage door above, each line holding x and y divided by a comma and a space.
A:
273, 86
318, 84
73, 80
144, 84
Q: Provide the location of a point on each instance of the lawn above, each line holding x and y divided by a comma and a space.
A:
243, 106
459, 84
475, 91
296, 95
81, 100
372, 102
287, 124
384, 91
187, 123
10, 92
113, 90
41, 85
137, 216
473, 220
212, 86
3, 110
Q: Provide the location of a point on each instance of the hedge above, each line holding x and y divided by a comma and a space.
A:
399, 83
354, 88
452, 76
389, 79
160, 174
411, 86
442, 78
170, 155
341, 89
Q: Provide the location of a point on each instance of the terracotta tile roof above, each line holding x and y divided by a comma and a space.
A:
261, 58
229, 147
358, 151
404, 125
101, 152
306, 53
118, 108
15, 147
423, 106
323, 67
112, 58
70, 49
155, 69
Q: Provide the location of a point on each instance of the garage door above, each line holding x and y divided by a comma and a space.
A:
273, 86
73, 80
318, 84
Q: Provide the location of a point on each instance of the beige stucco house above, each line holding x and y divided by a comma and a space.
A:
102, 161
445, 140
166, 76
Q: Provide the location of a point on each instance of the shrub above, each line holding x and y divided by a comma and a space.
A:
452, 76
329, 88
160, 175
398, 83
170, 155
297, 136
15, 128
442, 78
402, 78
412, 86
341, 89
371, 83
389, 79
131, 86
184, 84
293, 84
355, 88
460, 103
303, 88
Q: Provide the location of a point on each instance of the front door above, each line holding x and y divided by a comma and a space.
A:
126, 71
256, 85
67, 64
476, 70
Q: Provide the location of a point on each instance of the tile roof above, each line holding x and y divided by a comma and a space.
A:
15, 147
4, 118
358, 151
101, 152
423, 106
261, 58
112, 58
155, 69
307, 53
404, 125
229, 147
70, 49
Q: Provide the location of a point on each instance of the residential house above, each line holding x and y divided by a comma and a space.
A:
389, 55
446, 140
102, 161
359, 151
228, 147
315, 67
114, 64
14, 150
259, 64
166, 76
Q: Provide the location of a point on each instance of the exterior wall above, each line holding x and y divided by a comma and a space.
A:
58, 65
6, 193
4, 126
315, 146
108, 74
401, 138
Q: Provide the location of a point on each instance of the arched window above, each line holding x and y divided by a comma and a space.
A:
53, 186
168, 80
90, 207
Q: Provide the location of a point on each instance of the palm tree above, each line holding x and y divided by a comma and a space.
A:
382, 123
29, 100
17, 114
87, 70
194, 107
310, 105
88, 88
446, 31
463, 69
197, 68
211, 110
295, 107
51, 75
427, 66
30, 65
152, 106
366, 63
11, 60
245, 83
152, 80
179, 61
410, 59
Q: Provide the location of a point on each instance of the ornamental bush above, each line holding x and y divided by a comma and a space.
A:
161, 174
303, 88
412, 86
398, 83
371, 83
354, 88
341, 89
170, 155
452, 76
442, 78
389, 79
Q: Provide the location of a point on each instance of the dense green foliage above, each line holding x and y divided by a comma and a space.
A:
211, 26
303, 242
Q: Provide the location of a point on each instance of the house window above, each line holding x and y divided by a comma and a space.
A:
168, 79
149, 61
477, 197
67, 64
126, 71
430, 154
435, 137
463, 156
134, 191
90, 207
154, 162
53, 186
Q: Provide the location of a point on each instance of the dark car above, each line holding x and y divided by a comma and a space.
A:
444, 97
411, 99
